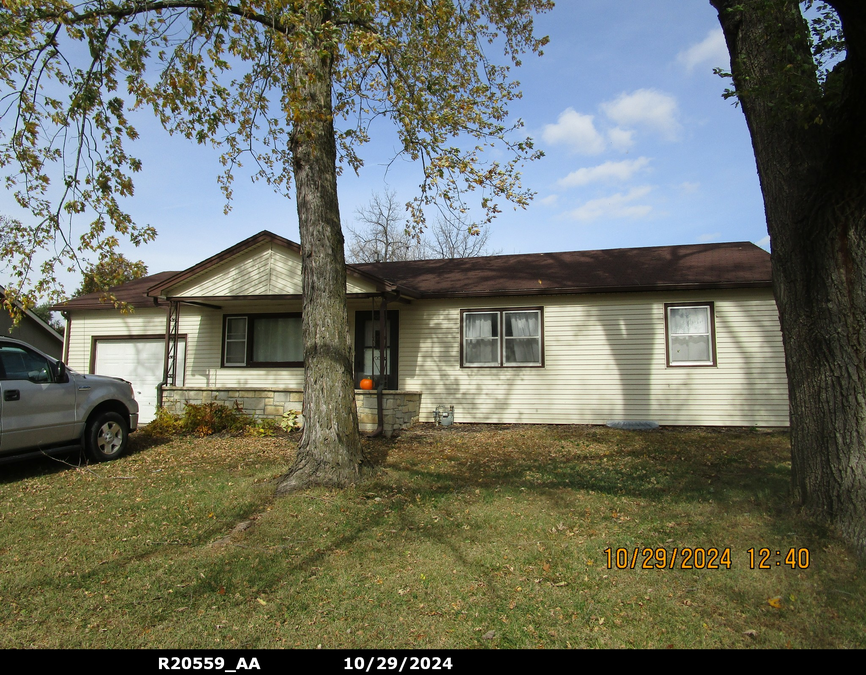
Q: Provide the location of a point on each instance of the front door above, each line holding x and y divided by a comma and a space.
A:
367, 342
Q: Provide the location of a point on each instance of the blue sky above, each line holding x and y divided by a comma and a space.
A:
641, 149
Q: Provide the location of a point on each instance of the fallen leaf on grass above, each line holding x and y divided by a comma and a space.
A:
489, 635
775, 602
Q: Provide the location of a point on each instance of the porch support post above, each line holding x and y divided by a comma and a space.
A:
383, 365
169, 365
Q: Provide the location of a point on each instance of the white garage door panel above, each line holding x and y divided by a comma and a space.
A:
140, 362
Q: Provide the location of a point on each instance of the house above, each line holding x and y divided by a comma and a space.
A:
32, 330
680, 335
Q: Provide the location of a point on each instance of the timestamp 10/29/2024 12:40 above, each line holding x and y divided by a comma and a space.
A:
703, 558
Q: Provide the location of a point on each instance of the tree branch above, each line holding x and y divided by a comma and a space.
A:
143, 7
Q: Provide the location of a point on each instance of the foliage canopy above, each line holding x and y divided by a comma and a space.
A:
221, 72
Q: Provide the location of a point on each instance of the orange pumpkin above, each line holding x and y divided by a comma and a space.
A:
366, 383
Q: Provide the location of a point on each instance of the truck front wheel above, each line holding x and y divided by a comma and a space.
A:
106, 437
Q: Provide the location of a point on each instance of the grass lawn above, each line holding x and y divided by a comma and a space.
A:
469, 537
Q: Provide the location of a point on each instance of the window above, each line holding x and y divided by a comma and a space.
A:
690, 334
492, 338
262, 340
17, 363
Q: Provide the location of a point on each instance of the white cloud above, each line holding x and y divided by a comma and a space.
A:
711, 52
621, 139
575, 130
764, 243
550, 200
614, 206
609, 171
646, 107
688, 188
705, 238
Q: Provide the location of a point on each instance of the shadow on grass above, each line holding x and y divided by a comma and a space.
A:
673, 465
68, 460
735, 470
444, 498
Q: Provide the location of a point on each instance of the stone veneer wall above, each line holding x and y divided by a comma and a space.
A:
401, 408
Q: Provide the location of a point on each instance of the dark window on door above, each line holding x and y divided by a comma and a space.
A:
367, 341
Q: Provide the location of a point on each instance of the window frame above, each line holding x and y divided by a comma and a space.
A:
501, 312
712, 362
249, 342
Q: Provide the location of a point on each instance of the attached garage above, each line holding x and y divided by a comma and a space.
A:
139, 361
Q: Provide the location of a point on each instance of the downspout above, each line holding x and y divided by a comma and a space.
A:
66, 336
164, 354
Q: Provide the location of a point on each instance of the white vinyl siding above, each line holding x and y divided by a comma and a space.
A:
86, 324
604, 358
203, 328
266, 269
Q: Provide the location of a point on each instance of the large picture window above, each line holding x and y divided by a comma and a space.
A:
690, 334
263, 340
493, 338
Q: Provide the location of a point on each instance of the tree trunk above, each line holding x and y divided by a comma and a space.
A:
329, 452
810, 149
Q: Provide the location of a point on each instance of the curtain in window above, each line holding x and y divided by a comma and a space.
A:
481, 338
689, 320
689, 329
522, 337
278, 340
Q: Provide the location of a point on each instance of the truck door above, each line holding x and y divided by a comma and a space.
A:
36, 411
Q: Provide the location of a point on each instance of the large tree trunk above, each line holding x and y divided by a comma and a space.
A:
810, 148
329, 452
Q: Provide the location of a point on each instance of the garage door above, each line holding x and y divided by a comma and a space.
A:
139, 361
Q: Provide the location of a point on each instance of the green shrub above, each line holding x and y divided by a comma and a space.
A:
163, 424
206, 419
291, 420
262, 427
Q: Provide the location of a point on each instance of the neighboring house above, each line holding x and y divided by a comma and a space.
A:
32, 330
680, 335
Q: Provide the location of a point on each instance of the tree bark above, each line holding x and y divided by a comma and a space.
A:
329, 452
810, 149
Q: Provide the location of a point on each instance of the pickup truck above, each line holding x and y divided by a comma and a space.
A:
47, 408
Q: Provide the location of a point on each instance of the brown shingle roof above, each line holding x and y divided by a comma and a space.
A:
134, 292
699, 266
